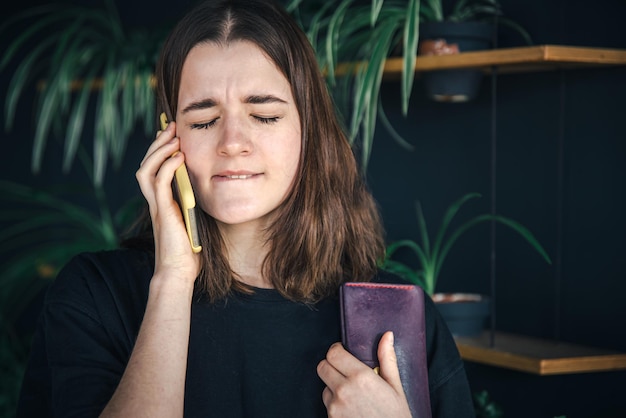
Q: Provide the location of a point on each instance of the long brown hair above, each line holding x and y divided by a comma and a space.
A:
328, 229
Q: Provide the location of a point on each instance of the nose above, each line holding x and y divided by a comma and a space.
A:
235, 140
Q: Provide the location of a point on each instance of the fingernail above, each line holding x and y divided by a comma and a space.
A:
391, 339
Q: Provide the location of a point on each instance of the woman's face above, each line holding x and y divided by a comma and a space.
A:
239, 129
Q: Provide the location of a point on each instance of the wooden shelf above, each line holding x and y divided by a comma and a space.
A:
508, 60
516, 60
537, 356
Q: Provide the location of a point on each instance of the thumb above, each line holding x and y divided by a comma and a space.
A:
389, 362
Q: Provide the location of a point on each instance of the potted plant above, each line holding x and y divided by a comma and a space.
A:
431, 255
43, 228
470, 26
40, 230
470, 11
86, 54
80, 57
352, 41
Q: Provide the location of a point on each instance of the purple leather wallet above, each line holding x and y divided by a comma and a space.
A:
368, 310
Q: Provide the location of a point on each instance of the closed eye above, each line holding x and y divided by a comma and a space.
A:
266, 120
205, 125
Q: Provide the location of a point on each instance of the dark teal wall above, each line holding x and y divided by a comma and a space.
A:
560, 171
576, 115
452, 156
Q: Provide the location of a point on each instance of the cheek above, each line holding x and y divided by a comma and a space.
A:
290, 158
189, 141
291, 174
195, 148
197, 159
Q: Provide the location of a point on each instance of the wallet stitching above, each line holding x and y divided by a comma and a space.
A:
382, 286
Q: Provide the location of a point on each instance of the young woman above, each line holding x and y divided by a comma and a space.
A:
250, 325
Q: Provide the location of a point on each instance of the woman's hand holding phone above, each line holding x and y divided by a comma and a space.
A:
153, 383
186, 199
174, 255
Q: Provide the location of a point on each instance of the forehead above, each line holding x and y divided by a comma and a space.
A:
239, 65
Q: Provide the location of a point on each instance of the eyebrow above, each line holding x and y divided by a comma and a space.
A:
199, 105
252, 99
268, 98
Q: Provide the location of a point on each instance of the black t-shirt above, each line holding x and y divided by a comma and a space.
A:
249, 355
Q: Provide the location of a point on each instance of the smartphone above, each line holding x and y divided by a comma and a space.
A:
187, 201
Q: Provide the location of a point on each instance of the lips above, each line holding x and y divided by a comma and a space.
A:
239, 175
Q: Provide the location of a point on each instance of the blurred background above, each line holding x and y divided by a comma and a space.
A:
557, 165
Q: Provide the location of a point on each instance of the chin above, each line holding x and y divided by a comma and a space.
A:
239, 218
239, 213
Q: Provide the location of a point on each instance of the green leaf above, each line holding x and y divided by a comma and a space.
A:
392, 131
412, 245
431, 11
376, 6
129, 212
292, 5
516, 226
49, 18
430, 263
517, 27
63, 38
75, 128
77, 118
368, 89
20, 77
421, 221
128, 84
332, 37
525, 233
404, 271
411, 37
75, 214
50, 101
448, 217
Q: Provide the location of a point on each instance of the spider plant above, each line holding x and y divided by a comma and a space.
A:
485, 407
352, 42
40, 232
42, 229
77, 55
431, 258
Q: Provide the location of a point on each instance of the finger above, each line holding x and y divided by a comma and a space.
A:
389, 362
327, 396
165, 176
153, 160
157, 173
329, 374
162, 138
344, 361
164, 210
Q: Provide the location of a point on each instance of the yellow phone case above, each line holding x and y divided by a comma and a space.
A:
186, 198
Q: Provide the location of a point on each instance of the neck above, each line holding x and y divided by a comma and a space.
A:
246, 251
